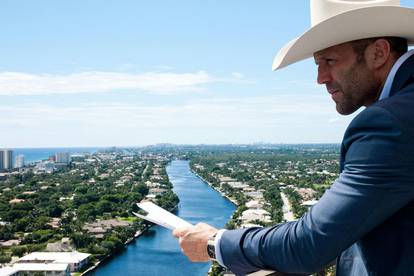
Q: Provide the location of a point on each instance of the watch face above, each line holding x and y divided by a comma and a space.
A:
211, 251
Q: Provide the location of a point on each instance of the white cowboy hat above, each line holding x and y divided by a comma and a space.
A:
338, 21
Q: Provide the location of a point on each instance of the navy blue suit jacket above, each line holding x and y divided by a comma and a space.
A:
366, 218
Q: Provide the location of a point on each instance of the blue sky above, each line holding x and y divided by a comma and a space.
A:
131, 73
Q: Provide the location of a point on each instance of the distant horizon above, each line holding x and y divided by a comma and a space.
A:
164, 144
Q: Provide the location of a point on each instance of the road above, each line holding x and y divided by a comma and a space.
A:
287, 208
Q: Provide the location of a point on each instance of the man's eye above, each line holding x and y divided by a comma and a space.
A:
330, 61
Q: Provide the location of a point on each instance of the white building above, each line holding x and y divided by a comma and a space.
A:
77, 157
309, 203
49, 269
75, 260
6, 159
32, 269
9, 271
254, 204
19, 162
44, 167
62, 157
255, 195
255, 214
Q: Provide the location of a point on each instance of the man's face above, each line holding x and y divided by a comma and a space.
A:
349, 81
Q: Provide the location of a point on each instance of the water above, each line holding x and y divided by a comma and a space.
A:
37, 154
158, 253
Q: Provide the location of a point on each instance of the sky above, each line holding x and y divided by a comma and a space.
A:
133, 73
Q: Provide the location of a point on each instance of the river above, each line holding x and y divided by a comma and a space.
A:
157, 252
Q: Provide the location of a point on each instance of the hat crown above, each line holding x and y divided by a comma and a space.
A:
324, 9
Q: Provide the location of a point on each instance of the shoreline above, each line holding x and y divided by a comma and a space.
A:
216, 189
235, 203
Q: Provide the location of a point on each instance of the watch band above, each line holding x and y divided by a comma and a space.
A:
211, 247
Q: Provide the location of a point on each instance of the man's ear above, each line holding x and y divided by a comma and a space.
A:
378, 54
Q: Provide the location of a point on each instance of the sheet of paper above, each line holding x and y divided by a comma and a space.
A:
160, 216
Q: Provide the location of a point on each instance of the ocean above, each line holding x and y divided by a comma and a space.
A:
37, 154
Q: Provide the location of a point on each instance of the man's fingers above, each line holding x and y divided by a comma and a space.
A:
193, 241
180, 232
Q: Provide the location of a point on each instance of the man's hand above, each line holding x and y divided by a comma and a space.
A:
193, 241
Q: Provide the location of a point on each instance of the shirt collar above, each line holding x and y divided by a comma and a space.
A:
385, 93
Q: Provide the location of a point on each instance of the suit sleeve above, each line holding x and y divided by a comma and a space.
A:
376, 181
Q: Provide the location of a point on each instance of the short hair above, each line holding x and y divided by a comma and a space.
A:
398, 46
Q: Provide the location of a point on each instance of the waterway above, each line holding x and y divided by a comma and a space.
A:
157, 252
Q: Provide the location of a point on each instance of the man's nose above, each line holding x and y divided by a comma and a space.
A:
324, 75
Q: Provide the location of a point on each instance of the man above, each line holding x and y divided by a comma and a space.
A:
366, 219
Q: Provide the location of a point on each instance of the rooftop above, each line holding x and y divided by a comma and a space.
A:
40, 267
56, 257
6, 271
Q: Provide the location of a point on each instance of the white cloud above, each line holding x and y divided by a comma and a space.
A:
237, 75
216, 112
276, 118
17, 83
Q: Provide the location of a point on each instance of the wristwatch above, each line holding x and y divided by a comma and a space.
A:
211, 247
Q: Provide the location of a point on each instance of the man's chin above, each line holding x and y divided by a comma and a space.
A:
345, 111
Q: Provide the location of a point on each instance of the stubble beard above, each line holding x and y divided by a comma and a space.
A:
358, 88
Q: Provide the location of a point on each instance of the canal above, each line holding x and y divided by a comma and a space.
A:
157, 252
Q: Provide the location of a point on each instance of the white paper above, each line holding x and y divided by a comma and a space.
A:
160, 216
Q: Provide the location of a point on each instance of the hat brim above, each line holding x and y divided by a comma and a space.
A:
352, 25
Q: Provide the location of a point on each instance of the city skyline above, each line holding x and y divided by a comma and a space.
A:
87, 73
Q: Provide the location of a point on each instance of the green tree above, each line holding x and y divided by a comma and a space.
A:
4, 258
18, 250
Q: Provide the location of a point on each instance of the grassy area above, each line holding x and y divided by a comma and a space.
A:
129, 219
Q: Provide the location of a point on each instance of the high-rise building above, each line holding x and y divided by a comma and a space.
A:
1, 160
62, 157
6, 159
19, 162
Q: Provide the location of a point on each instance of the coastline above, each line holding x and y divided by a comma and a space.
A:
232, 200
235, 203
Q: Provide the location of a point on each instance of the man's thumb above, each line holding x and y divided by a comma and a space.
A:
179, 232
